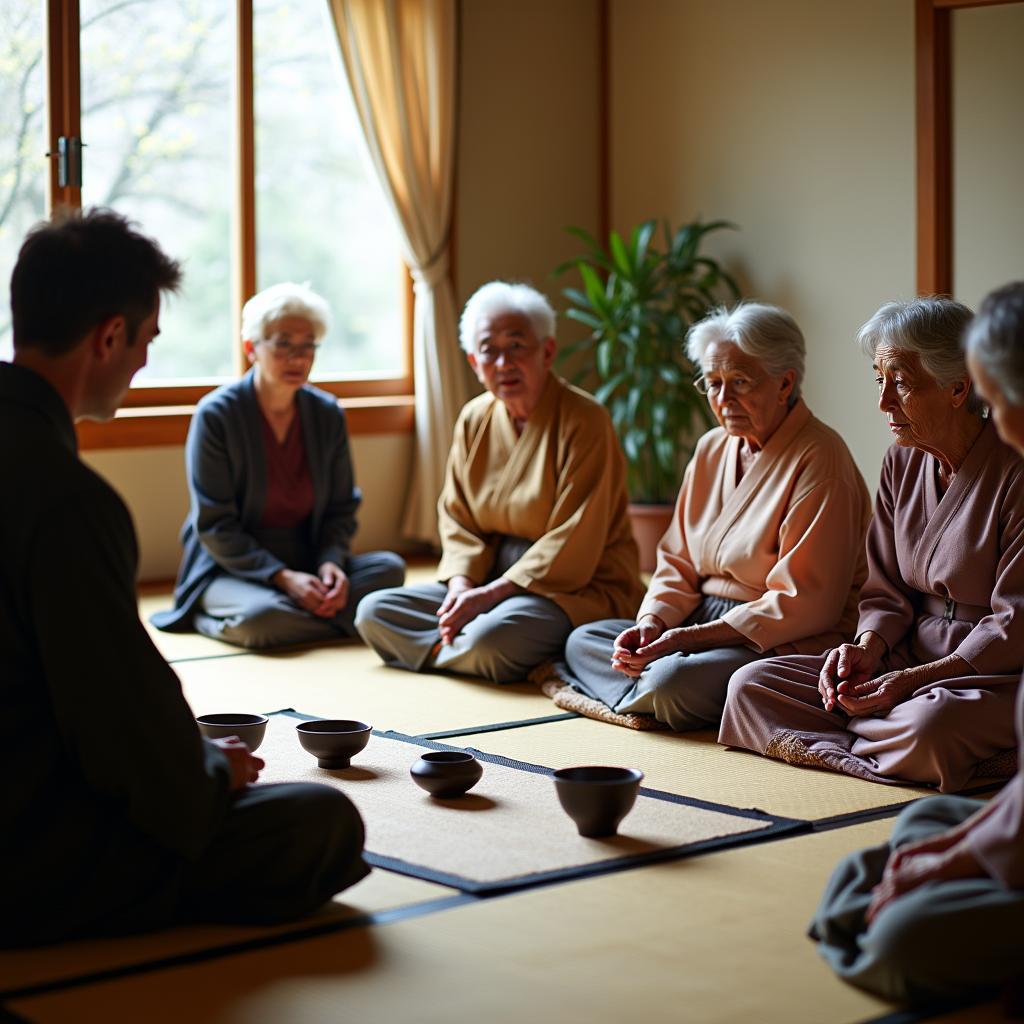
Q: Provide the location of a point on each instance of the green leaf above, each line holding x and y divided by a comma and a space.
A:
623, 263
585, 318
603, 393
604, 358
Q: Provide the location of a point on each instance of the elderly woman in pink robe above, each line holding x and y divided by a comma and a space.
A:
925, 691
938, 911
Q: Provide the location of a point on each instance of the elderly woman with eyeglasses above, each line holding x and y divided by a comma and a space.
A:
764, 553
923, 688
273, 499
532, 517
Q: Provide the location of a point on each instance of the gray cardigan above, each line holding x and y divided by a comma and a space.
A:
226, 468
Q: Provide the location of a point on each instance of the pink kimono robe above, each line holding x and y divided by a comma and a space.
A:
946, 576
998, 840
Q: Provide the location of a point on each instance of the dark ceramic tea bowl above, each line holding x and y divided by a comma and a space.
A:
333, 741
597, 798
446, 773
250, 729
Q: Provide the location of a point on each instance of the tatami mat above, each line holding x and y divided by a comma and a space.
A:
694, 765
717, 939
348, 681
27, 969
474, 842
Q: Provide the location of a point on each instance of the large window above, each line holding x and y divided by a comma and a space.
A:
225, 128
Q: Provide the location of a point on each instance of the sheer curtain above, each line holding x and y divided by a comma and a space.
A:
399, 56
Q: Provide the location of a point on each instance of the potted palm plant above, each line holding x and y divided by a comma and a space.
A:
639, 300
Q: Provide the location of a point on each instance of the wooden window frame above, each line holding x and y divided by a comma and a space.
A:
156, 414
933, 43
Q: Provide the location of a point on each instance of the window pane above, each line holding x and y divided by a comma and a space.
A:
157, 124
23, 164
321, 216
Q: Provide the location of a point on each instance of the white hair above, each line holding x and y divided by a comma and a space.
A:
930, 326
995, 338
765, 333
499, 298
284, 299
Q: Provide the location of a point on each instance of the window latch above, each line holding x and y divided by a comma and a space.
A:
69, 161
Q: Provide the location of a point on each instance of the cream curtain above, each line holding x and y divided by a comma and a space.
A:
399, 56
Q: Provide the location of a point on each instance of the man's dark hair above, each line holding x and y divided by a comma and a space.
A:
80, 269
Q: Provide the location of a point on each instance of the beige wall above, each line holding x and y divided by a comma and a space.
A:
528, 139
795, 120
988, 149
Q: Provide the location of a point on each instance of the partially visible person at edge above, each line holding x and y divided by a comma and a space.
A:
938, 911
117, 816
765, 551
923, 689
273, 497
532, 517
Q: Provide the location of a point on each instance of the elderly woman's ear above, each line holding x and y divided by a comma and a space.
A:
960, 391
787, 382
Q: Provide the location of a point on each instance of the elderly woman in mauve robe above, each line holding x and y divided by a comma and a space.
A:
532, 517
925, 691
938, 911
764, 554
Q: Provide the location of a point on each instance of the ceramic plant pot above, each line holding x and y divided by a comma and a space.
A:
250, 729
597, 798
446, 773
333, 741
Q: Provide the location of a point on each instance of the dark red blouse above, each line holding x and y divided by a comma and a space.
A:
289, 485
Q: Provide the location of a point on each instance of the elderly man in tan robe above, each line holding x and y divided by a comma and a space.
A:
533, 519
926, 690
764, 555
938, 911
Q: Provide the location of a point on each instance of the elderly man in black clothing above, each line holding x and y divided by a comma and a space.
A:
116, 815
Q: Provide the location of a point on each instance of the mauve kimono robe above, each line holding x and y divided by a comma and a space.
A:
560, 487
946, 576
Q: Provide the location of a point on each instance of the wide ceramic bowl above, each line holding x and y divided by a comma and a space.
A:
446, 773
597, 797
250, 729
333, 741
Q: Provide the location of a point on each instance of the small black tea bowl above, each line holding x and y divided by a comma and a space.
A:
250, 729
445, 773
596, 797
333, 741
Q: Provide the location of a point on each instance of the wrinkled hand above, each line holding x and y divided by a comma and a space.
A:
245, 766
334, 579
849, 662
916, 869
630, 641
306, 590
876, 696
462, 604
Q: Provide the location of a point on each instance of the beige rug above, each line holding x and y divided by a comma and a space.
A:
694, 765
508, 830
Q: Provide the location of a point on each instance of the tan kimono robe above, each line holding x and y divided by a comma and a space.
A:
787, 540
560, 486
946, 576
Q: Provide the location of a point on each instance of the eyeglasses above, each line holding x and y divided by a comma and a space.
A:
739, 386
284, 349
516, 352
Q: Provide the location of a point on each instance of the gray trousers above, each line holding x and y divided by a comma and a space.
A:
942, 940
685, 691
281, 851
256, 616
502, 645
